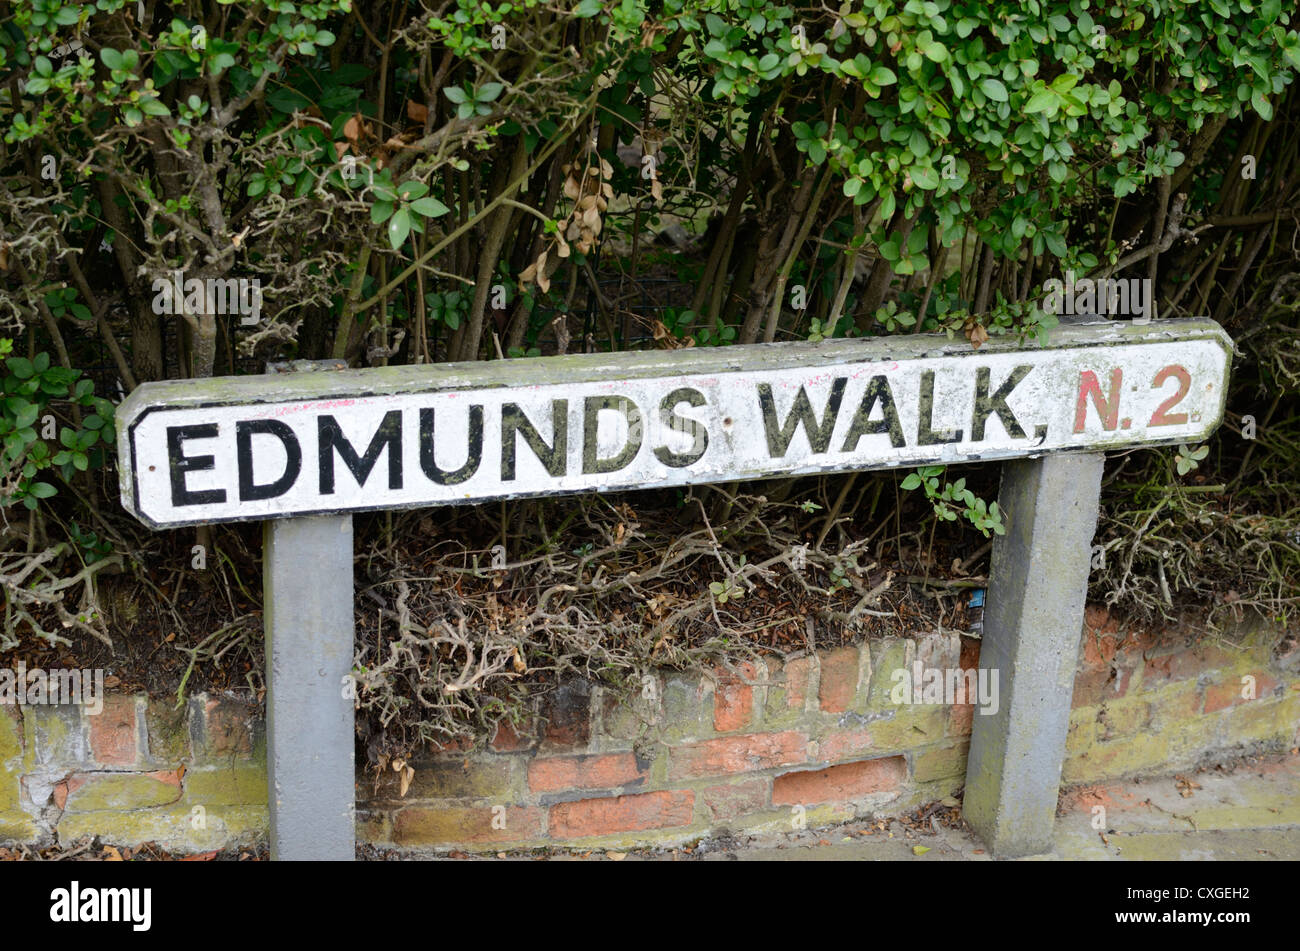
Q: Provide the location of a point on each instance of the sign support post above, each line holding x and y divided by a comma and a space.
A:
1033, 618
309, 625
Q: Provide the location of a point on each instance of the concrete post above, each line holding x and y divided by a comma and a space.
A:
308, 620
309, 716
1033, 620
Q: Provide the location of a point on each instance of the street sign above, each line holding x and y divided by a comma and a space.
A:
197, 452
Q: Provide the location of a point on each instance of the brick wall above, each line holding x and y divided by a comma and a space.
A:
817, 739
1143, 702
139, 771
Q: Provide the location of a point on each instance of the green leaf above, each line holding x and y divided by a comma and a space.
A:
429, 207
882, 76
1262, 105
41, 490
287, 100
924, 177
399, 226
381, 211
489, 91
412, 189
26, 416
20, 367
994, 89
912, 481
587, 8
1041, 101
111, 58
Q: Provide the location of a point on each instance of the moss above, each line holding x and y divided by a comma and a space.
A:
227, 785
121, 792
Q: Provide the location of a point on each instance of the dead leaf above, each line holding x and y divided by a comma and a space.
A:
201, 856
354, 128
617, 856
920, 849
417, 111
111, 854
408, 774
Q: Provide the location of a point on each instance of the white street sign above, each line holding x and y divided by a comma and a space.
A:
242, 448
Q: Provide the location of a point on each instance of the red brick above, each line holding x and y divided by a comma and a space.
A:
459, 744
597, 771
1098, 618
960, 719
655, 810
740, 798
509, 739
229, 728
839, 680
737, 754
456, 825
1186, 664
839, 783
1224, 695
66, 787
845, 744
961, 715
1098, 686
798, 682
1141, 640
733, 699
112, 732
568, 717
1098, 649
